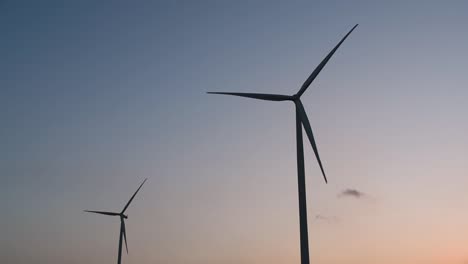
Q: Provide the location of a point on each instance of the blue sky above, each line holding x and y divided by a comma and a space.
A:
98, 95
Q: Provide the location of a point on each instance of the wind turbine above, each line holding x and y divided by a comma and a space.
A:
122, 216
301, 119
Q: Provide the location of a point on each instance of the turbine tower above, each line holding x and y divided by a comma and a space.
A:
301, 120
123, 233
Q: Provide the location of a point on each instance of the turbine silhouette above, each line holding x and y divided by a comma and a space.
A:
301, 119
123, 233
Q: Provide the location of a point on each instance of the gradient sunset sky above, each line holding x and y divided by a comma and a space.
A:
95, 96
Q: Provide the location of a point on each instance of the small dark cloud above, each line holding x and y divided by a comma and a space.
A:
352, 193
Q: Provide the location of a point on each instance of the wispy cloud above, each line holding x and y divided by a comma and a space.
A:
351, 193
327, 219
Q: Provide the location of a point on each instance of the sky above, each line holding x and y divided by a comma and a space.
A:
95, 96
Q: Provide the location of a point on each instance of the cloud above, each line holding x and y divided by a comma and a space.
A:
352, 193
321, 217
327, 219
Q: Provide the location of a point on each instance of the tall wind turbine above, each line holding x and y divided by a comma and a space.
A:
123, 233
301, 119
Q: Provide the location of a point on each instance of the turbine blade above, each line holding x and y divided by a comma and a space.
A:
310, 135
317, 70
126, 206
124, 232
267, 97
101, 212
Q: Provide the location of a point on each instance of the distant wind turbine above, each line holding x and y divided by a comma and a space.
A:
122, 216
301, 119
